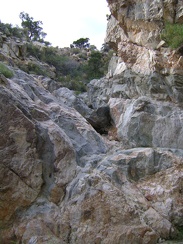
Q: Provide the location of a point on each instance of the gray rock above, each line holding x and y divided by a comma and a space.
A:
99, 118
59, 180
131, 85
36, 152
148, 123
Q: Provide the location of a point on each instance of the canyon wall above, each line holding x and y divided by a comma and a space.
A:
103, 167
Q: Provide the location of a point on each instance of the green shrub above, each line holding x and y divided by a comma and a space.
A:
69, 72
5, 71
75, 50
95, 65
34, 51
73, 83
83, 56
173, 35
9, 30
34, 68
180, 234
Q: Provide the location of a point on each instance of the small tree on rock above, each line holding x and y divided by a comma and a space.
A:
95, 64
81, 43
34, 29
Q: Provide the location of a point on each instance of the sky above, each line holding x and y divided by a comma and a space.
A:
64, 21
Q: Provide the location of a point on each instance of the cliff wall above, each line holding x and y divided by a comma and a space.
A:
103, 167
134, 30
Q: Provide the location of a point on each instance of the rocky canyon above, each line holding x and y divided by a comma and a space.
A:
106, 166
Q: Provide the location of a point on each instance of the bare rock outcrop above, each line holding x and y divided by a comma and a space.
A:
142, 21
148, 123
63, 182
41, 142
134, 30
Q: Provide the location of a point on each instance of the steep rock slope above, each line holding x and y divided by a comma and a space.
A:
41, 143
61, 181
145, 75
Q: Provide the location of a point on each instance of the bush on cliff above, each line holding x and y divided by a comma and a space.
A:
5, 71
73, 67
173, 35
94, 66
9, 30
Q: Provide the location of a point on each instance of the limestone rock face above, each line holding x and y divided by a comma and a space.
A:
108, 188
134, 30
41, 141
142, 21
147, 123
99, 118
143, 89
62, 183
13, 48
104, 167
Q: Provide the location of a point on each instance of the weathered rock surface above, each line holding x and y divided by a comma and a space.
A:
99, 118
40, 144
141, 21
97, 199
148, 123
61, 181
12, 47
59, 184
143, 65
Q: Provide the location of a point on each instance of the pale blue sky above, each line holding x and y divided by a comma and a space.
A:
64, 21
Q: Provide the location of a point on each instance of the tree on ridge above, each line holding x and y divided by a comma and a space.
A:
34, 29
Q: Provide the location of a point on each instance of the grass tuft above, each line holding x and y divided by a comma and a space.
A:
5, 71
173, 35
